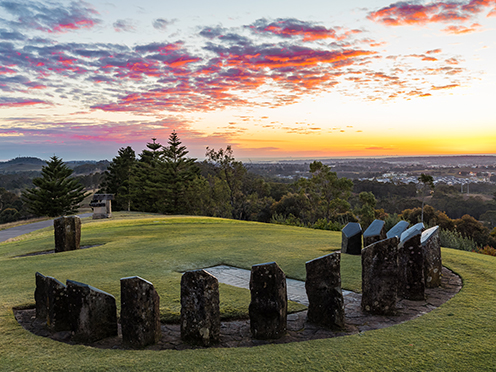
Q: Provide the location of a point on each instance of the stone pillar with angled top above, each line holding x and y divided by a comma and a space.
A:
58, 318
397, 229
411, 268
351, 241
323, 287
432, 252
51, 302
380, 277
200, 314
67, 232
374, 233
269, 304
412, 231
140, 312
93, 312
41, 297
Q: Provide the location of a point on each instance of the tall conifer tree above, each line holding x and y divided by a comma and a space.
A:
118, 178
56, 193
180, 171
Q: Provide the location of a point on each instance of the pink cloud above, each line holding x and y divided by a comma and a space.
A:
409, 13
16, 103
289, 27
457, 30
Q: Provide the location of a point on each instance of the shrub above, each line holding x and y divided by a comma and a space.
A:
454, 239
490, 251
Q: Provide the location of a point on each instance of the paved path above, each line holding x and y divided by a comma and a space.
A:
24, 229
241, 278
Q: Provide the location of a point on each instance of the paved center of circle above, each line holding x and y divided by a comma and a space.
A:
241, 278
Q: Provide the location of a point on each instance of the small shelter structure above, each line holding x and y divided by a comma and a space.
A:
102, 206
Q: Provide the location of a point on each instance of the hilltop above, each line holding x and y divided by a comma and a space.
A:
33, 164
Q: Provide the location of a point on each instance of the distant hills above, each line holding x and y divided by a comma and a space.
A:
32, 164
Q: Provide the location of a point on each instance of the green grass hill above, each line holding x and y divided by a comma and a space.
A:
457, 336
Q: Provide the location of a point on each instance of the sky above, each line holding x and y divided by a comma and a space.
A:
273, 79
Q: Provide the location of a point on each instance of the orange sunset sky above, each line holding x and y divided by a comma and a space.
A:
274, 79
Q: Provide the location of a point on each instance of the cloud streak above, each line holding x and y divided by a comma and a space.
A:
52, 18
412, 13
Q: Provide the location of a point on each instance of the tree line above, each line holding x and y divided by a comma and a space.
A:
163, 179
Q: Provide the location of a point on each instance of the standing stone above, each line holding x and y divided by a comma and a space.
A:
380, 277
41, 297
323, 287
93, 313
411, 269
351, 241
412, 231
51, 302
431, 246
374, 233
200, 314
140, 312
397, 229
67, 233
58, 318
269, 301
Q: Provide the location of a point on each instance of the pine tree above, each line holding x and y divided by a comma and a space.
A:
118, 176
180, 171
148, 183
56, 193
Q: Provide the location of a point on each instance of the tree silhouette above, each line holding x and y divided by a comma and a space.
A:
425, 182
56, 193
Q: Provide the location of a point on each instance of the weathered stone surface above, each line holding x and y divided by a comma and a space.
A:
269, 303
58, 317
41, 297
412, 231
200, 314
67, 233
351, 242
323, 287
380, 277
411, 269
397, 229
431, 246
140, 312
374, 233
93, 313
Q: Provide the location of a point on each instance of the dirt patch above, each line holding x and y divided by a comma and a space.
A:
237, 333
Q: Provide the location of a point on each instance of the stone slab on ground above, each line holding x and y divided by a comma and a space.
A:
241, 278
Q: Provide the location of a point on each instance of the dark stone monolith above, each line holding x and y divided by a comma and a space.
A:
351, 241
431, 246
58, 318
140, 312
411, 269
41, 297
380, 277
397, 229
323, 287
67, 233
374, 233
269, 303
93, 313
200, 314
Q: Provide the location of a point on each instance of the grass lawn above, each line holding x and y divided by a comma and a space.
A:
455, 337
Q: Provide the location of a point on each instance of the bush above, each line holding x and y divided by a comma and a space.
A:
490, 251
454, 239
323, 224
